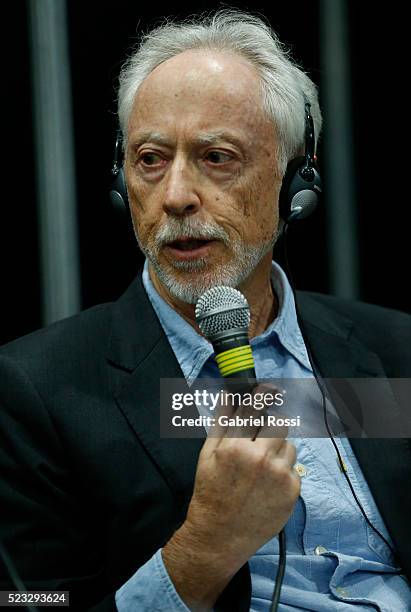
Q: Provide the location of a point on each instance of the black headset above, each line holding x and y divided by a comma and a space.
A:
301, 186
118, 190
300, 189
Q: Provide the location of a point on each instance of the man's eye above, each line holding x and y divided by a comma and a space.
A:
150, 159
218, 157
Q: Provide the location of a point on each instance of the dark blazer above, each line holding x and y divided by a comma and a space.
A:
89, 490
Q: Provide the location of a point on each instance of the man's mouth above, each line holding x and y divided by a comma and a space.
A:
188, 244
189, 248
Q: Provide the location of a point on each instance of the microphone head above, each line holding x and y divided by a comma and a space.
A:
221, 309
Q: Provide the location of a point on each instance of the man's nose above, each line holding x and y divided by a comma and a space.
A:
181, 197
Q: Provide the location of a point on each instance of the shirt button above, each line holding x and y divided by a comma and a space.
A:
342, 592
319, 550
300, 469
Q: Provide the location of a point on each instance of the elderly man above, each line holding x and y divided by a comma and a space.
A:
94, 501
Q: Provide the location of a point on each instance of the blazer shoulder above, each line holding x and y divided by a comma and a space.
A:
361, 312
385, 331
67, 341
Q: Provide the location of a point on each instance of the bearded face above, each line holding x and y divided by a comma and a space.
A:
201, 173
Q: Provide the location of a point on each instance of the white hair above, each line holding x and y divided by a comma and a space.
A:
285, 87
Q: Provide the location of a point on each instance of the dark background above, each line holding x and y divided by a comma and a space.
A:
100, 35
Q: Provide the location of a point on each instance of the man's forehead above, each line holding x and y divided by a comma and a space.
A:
195, 74
214, 105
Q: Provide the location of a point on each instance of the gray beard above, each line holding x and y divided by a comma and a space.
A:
200, 277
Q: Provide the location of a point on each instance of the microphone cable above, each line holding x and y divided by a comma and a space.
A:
280, 571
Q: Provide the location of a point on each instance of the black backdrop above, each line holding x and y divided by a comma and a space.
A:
100, 35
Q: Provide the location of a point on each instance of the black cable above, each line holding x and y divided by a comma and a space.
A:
344, 471
280, 572
317, 376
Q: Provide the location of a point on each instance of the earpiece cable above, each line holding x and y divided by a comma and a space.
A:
317, 377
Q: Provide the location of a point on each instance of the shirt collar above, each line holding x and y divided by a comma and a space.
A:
285, 326
192, 350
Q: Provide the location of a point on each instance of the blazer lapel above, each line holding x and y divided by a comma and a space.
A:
384, 461
139, 347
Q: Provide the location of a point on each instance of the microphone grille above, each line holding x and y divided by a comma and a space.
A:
221, 309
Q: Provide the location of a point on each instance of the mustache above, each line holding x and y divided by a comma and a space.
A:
179, 228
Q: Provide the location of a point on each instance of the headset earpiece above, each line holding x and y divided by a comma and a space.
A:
118, 191
301, 186
299, 196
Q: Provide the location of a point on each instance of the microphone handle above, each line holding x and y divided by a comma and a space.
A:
234, 358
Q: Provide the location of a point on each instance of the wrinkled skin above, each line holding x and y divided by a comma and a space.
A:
201, 146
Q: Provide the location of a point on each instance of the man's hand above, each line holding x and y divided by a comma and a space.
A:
244, 493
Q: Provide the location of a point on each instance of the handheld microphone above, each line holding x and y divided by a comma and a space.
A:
223, 316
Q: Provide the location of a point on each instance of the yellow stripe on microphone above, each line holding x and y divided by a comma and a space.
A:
237, 351
235, 360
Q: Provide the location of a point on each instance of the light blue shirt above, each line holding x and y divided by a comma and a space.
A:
335, 561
